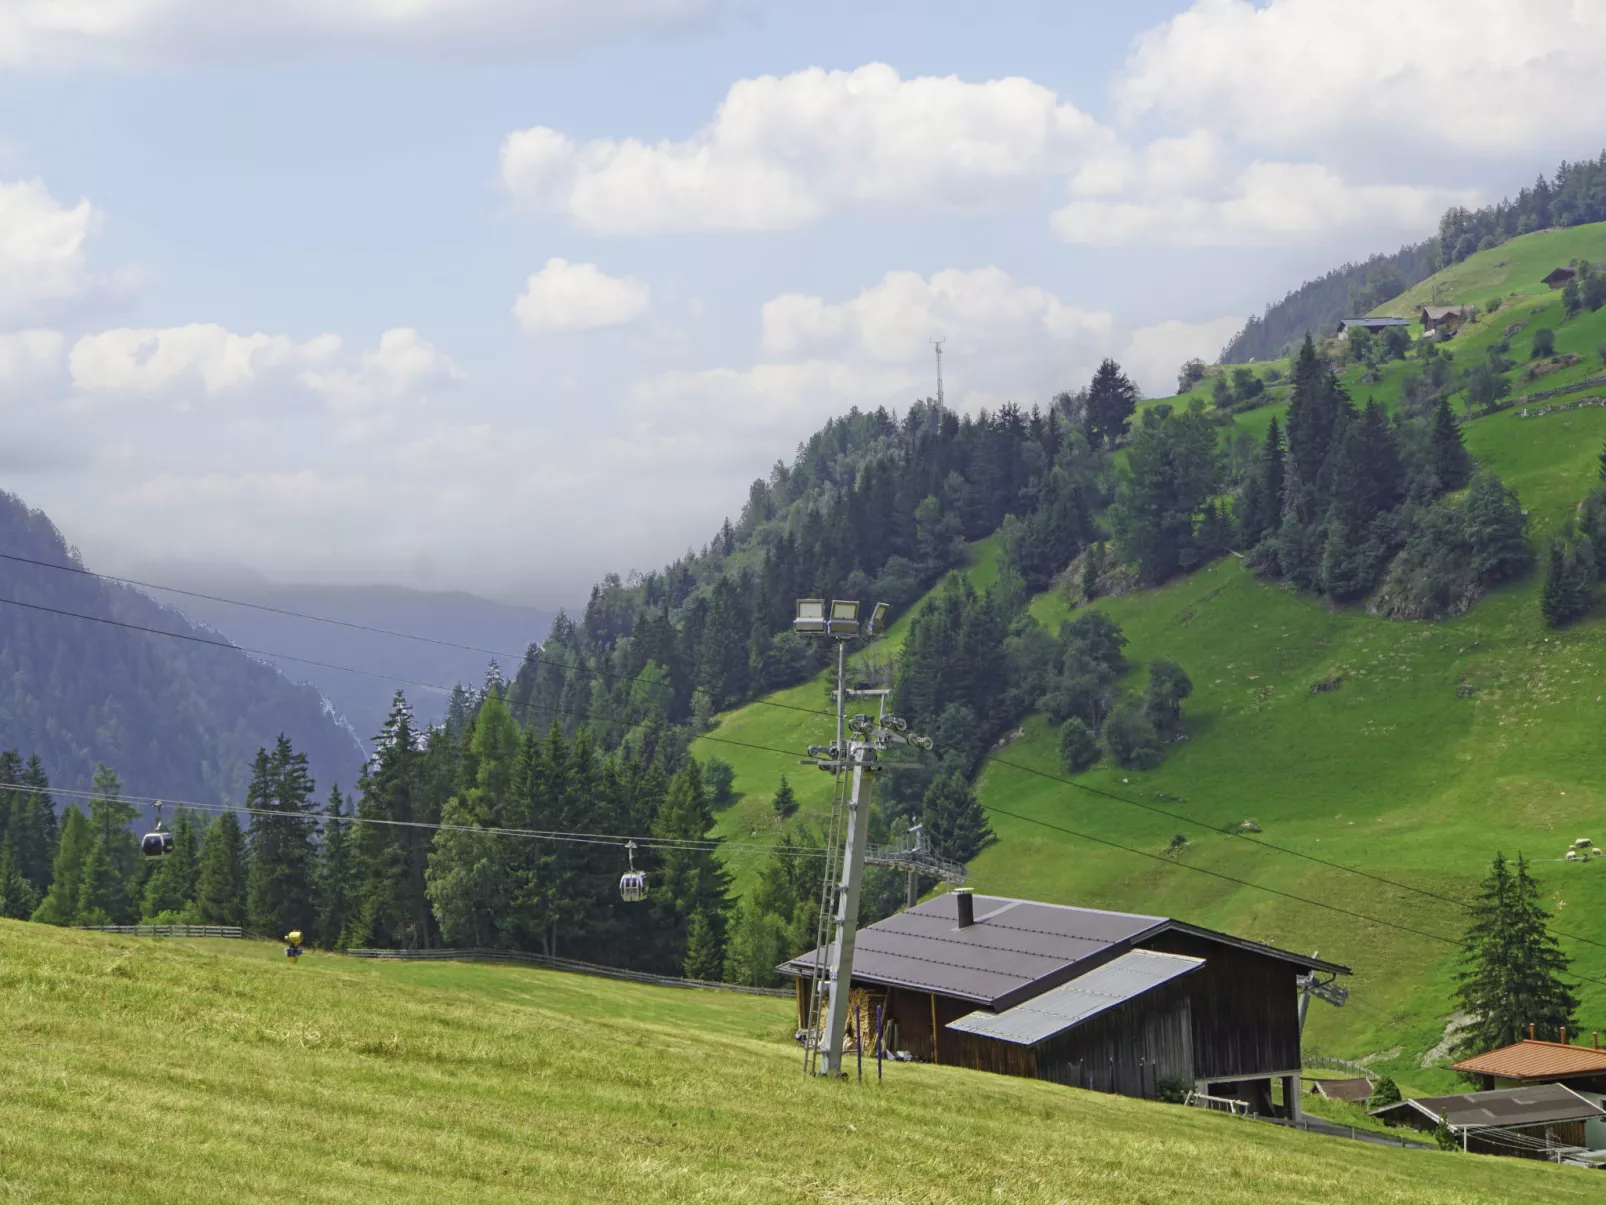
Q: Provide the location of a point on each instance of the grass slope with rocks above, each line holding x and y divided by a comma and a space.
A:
144, 1070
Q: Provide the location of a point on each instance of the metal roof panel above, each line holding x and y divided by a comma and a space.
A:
1068, 1005
1529, 1059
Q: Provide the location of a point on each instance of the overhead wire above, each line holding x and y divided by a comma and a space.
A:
526, 656
792, 754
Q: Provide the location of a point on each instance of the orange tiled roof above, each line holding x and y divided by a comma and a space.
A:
1534, 1060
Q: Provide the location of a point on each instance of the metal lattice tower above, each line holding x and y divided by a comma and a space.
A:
937, 343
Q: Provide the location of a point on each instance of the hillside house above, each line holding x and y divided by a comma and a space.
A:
1376, 325
1356, 1091
1447, 317
1559, 277
1111, 1001
1542, 1122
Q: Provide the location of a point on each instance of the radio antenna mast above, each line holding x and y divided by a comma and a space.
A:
937, 343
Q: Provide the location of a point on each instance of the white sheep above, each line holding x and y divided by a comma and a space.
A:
1572, 855
1582, 843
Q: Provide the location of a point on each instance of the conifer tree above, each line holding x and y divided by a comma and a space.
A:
33, 830
60, 905
1452, 465
1512, 967
955, 825
117, 881
785, 801
469, 877
757, 945
103, 892
1259, 509
392, 909
691, 881
221, 880
282, 879
171, 885
705, 953
18, 899
336, 882
1111, 400
1496, 530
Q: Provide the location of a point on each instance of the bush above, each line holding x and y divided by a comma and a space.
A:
1593, 293
1172, 1089
1130, 737
1544, 343
1384, 1092
1079, 748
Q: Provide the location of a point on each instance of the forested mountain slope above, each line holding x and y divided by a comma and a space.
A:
1408, 751
454, 617
172, 717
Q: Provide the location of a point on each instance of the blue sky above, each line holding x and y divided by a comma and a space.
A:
503, 294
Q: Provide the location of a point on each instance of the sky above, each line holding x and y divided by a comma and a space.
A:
502, 295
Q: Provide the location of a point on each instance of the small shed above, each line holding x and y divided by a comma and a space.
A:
1447, 316
1536, 1062
1375, 325
1559, 277
1540, 1122
1114, 1001
1355, 1091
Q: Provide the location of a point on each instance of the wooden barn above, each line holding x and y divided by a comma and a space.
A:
1445, 317
1559, 277
1111, 1001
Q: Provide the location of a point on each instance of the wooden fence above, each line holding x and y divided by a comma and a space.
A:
167, 930
478, 954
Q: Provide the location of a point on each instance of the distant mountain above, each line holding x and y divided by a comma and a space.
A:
173, 717
458, 618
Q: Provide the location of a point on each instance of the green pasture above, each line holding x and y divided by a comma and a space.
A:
141, 1070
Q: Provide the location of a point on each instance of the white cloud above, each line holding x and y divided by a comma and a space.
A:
404, 365
27, 359
1266, 204
1154, 354
578, 297
42, 258
983, 314
183, 360
161, 32
784, 151
1487, 75
177, 365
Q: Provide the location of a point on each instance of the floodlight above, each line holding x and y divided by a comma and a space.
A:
810, 617
844, 618
878, 620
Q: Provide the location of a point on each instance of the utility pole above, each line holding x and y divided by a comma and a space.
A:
852, 758
937, 343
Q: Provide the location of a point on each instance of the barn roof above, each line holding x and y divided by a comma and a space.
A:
1559, 274
1356, 1091
1015, 949
1439, 312
1530, 1106
1534, 1060
1373, 323
1064, 1007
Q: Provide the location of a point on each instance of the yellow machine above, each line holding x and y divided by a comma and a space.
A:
292, 949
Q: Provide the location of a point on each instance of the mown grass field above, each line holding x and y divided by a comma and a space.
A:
140, 1070
1445, 741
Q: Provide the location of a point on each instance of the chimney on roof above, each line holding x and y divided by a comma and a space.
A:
1564, 1035
1597, 1039
966, 903
1530, 1031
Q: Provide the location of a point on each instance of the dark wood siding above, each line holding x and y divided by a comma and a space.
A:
1244, 1008
1127, 1049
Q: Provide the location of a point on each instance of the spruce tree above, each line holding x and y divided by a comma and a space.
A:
1259, 509
171, 885
954, 824
60, 905
221, 880
282, 879
1452, 465
1495, 530
1554, 602
18, 899
109, 817
692, 882
391, 908
469, 877
785, 801
336, 882
705, 953
34, 830
1512, 967
103, 891
1111, 400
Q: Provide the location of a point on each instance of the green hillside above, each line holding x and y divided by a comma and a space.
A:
1444, 742
140, 1070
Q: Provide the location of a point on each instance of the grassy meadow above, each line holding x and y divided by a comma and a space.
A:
1445, 741
143, 1070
